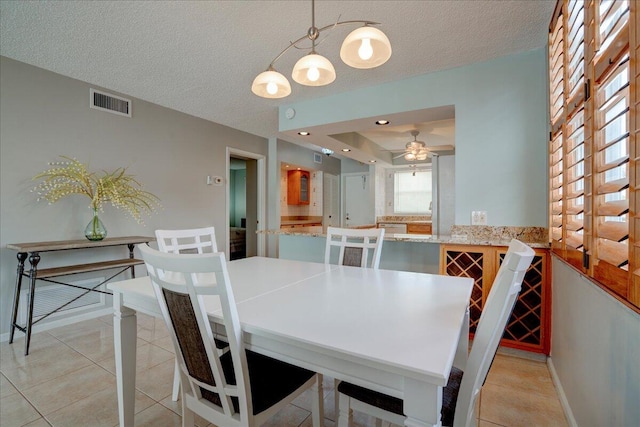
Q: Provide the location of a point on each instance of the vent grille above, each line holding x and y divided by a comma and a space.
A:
109, 102
50, 297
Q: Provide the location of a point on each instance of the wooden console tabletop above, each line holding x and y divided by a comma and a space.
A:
61, 245
32, 251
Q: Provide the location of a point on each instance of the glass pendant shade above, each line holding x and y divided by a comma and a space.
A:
365, 47
422, 155
271, 84
313, 70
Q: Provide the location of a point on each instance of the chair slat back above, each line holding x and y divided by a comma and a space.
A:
493, 320
195, 240
181, 282
355, 245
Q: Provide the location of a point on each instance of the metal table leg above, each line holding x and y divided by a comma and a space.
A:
34, 259
22, 256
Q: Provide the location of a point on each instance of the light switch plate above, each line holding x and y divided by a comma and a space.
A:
479, 218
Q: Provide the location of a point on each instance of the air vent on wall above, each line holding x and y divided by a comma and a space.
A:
108, 102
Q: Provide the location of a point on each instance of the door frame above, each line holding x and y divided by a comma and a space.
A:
260, 203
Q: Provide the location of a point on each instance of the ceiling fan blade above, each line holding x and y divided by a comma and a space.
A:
398, 156
441, 148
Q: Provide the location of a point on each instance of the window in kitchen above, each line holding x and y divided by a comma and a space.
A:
412, 192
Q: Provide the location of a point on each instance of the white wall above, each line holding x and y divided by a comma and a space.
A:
501, 130
44, 115
595, 351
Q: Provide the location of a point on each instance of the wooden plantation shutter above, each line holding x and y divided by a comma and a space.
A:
634, 163
611, 147
557, 214
594, 172
574, 144
556, 72
557, 100
574, 200
575, 54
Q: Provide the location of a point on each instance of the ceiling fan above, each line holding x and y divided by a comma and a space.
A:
418, 150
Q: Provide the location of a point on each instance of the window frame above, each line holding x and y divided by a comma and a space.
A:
411, 171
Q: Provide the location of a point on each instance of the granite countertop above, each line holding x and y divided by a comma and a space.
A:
395, 221
404, 219
417, 238
301, 222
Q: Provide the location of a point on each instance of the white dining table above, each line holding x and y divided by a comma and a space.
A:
392, 331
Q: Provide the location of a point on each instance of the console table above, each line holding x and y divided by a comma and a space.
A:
33, 250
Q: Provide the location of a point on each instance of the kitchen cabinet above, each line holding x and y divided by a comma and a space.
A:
298, 187
418, 228
529, 327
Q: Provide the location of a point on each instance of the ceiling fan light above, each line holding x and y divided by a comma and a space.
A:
422, 155
415, 145
410, 157
365, 47
313, 70
271, 84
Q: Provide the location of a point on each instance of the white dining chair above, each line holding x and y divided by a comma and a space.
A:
353, 246
460, 395
235, 388
193, 240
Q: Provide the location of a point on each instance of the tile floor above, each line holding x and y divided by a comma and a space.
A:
69, 380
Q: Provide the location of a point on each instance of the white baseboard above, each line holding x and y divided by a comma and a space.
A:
568, 413
61, 322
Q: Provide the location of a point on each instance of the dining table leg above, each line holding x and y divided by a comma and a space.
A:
125, 336
462, 352
422, 403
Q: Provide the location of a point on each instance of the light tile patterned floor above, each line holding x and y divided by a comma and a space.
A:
69, 380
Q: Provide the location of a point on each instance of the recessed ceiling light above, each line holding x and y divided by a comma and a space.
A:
346, 150
304, 133
372, 161
382, 122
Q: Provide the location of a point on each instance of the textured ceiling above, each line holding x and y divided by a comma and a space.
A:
200, 57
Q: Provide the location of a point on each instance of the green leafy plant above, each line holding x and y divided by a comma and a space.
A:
70, 177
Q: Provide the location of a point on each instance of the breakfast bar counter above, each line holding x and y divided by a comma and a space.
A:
535, 237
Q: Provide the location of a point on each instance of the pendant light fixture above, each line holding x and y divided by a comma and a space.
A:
365, 47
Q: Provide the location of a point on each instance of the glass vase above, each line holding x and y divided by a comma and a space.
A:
95, 230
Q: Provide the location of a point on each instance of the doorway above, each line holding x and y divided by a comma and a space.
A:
245, 203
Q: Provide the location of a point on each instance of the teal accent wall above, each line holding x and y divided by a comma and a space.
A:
501, 130
232, 198
238, 199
